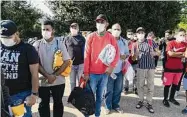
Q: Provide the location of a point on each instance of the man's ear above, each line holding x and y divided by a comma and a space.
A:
17, 33
107, 24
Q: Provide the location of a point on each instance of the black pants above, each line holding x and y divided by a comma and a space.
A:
163, 63
156, 60
57, 94
184, 71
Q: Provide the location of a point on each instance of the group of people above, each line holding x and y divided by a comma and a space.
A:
28, 69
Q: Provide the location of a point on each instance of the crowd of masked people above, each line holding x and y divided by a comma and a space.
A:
99, 58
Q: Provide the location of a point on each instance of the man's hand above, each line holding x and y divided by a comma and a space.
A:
51, 79
86, 77
122, 57
109, 70
31, 100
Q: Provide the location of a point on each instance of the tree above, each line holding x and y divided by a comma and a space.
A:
156, 16
183, 23
23, 15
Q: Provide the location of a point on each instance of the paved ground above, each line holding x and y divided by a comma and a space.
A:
128, 103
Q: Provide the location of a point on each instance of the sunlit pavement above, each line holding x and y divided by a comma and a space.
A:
128, 104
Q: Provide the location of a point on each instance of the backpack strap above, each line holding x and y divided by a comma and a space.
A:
57, 48
39, 42
123, 41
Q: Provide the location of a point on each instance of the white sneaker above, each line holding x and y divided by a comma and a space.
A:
176, 93
107, 111
119, 110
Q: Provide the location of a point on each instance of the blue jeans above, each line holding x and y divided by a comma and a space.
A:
98, 83
20, 97
113, 92
76, 72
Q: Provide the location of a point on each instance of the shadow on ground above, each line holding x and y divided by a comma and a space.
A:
66, 114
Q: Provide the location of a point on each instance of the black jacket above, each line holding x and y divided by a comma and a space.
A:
75, 47
5, 97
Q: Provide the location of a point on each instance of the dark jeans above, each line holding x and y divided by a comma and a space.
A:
57, 94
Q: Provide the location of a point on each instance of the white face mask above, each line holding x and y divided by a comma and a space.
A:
135, 38
129, 36
116, 33
141, 37
180, 39
8, 42
46, 34
100, 27
74, 32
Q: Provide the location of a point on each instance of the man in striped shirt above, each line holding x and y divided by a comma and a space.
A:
145, 50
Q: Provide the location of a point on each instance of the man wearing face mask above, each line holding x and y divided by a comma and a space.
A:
115, 86
174, 67
151, 36
52, 82
143, 50
75, 46
97, 66
129, 34
20, 63
134, 65
162, 47
130, 40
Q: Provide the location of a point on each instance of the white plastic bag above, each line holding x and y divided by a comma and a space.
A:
107, 55
129, 75
128, 72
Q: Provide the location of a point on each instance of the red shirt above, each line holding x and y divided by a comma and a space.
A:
94, 45
174, 63
130, 48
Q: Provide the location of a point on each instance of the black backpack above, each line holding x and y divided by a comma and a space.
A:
83, 99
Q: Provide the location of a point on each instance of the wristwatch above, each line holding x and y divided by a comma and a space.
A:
36, 94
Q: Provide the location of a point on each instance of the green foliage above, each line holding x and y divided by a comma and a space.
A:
156, 16
23, 15
183, 23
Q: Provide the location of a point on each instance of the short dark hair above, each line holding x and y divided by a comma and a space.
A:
129, 30
168, 31
151, 33
48, 22
182, 30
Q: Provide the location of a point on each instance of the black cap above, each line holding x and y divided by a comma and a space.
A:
101, 17
140, 29
8, 28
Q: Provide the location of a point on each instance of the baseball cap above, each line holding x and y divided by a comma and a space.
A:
140, 29
74, 25
101, 17
8, 28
